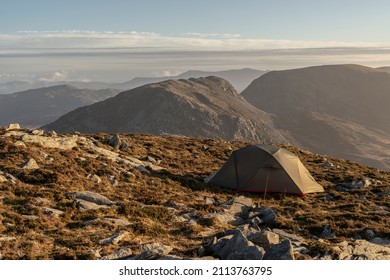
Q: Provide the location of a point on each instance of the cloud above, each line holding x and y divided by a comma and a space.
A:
55, 77
79, 39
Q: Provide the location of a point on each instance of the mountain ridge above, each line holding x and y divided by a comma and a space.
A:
203, 107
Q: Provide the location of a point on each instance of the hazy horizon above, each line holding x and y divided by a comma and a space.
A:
120, 65
118, 40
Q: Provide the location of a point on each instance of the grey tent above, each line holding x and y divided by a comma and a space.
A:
265, 168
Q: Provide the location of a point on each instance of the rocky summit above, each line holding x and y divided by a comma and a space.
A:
204, 107
93, 197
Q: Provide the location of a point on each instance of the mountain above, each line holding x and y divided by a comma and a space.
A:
239, 78
37, 107
205, 107
340, 110
384, 69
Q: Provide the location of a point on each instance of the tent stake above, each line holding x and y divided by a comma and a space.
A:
266, 184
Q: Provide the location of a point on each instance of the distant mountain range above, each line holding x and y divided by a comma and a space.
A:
336, 110
340, 110
239, 78
33, 108
204, 107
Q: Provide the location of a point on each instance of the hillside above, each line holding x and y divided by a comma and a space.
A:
340, 110
205, 107
37, 107
143, 197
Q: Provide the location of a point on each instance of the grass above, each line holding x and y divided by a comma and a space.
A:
143, 198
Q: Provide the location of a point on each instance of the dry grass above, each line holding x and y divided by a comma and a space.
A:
143, 198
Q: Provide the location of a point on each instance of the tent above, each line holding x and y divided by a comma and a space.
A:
265, 169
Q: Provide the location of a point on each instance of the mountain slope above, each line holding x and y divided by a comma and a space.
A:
349, 102
206, 107
40, 106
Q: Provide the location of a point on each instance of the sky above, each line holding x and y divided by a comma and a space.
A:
119, 39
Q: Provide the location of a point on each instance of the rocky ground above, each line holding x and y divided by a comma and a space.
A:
142, 197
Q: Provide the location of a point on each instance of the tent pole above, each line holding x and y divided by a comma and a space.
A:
266, 184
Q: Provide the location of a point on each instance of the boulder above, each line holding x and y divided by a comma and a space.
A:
281, 251
235, 244
264, 238
267, 215
248, 253
369, 234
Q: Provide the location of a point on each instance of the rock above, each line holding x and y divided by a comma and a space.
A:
264, 238
361, 249
113, 239
52, 211
369, 234
256, 221
152, 159
327, 233
328, 197
2, 179
51, 133
281, 251
267, 215
380, 241
248, 253
86, 205
239, 206
39, 132
209, 200
7, 238
366, 182
30, 217
384, 193
30, 164
114, 182
20, 144
95, 254
341, 189
152, 252
328, 164
237, 243
114, 141
112, 221
62, 143
96, 179
119, 254
13, 126
91, 197
1, 256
